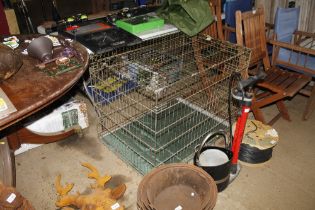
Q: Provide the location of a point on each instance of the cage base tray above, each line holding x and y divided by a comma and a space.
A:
161, 150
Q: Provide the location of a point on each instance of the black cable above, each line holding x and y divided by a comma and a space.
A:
238, 76
254, 155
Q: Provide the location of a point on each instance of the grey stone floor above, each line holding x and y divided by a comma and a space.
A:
287, 181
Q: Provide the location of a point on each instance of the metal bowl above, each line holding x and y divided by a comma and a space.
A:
177, 186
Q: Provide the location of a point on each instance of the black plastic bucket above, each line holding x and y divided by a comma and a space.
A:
216, 161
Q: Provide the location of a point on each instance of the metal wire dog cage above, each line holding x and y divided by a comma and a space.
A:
157, 100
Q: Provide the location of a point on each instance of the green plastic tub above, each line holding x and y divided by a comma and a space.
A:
140, 23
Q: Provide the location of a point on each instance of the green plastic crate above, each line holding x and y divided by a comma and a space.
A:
140, 23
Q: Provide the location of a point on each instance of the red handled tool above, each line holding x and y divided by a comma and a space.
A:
244, 95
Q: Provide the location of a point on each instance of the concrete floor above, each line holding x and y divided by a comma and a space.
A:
287, 181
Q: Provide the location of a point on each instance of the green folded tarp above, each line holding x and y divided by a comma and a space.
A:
190, 16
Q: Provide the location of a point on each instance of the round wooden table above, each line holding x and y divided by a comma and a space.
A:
31, 90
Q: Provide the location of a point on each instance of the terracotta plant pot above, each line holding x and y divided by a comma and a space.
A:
177, 186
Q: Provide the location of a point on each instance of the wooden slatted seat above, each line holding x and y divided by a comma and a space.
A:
279, 84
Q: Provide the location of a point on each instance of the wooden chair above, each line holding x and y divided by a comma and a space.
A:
298, 56
279, 84
294, 50
230, 8
215, 29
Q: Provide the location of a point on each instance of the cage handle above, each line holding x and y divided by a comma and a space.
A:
209, 137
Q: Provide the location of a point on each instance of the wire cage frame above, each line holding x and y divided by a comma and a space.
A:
156, 101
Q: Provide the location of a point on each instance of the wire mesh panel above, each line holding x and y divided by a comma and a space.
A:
156, 101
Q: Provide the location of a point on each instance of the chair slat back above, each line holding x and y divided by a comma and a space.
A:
250, 32
215, 29
230, 8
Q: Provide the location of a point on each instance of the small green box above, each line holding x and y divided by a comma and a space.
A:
140, 23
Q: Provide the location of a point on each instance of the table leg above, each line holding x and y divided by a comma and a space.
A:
24, 135
7, 164
13, 141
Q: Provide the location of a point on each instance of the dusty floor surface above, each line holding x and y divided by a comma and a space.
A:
287, 181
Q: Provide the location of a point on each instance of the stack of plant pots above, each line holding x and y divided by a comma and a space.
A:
177, 187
